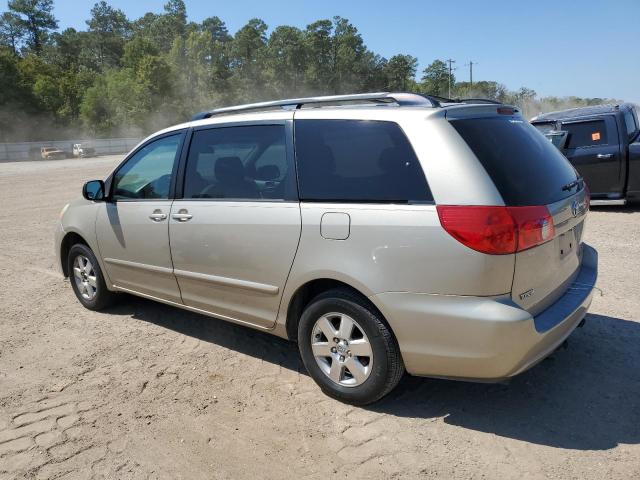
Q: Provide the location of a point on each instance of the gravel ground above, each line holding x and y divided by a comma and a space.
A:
145, 390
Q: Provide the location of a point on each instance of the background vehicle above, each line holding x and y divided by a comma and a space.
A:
83, 150
398, 235
603, 143
52, 153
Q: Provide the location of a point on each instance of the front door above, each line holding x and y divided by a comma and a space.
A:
592, 147
133, 225
235, 232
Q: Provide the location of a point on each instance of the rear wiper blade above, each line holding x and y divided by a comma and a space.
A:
570, 185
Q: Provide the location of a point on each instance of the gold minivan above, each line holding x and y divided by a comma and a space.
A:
381, 232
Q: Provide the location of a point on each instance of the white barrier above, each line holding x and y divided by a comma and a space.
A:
16, 152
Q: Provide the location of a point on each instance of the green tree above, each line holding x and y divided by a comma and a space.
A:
374, 77
348, 55
11, 31
435, 79
162, 29
131, 77
216, 28
218, 51
319, 47
338, 60
16, 98
37, 20
71, 50
176, 10
136, 49
172, 24
108, 28
115, 104
248, 53
287, 59
401, 71
482, 89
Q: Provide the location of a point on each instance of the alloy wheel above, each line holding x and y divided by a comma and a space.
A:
341, 349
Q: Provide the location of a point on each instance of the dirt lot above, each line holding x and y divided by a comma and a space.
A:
149, 391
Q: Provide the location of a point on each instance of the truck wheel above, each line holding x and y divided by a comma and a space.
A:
348, 349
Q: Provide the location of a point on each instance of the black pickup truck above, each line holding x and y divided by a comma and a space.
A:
603, 144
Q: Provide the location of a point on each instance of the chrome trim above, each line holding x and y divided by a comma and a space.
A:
229, 282
141, 266
597, 203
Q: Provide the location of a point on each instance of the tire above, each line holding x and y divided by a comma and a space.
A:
329, 362
87, 280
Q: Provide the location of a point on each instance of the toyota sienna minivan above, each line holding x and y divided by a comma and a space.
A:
383, 233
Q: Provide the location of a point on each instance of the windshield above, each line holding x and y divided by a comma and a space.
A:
524, 165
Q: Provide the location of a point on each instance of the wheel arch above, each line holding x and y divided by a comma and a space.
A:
69, 240
312, 288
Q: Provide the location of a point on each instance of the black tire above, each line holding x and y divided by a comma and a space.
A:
103, 297
388, 367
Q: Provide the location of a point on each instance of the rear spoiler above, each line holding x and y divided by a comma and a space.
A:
453, 112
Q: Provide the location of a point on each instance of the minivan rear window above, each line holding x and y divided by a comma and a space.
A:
524, 166
357, 161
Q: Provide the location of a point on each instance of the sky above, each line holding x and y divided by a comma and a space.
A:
586, 48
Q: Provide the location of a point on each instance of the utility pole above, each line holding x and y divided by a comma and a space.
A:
471, 73
450, 62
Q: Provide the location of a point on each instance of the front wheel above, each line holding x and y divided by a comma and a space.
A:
87, 280
348, 349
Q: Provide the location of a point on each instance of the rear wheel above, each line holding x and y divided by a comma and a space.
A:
87, 280
348, 349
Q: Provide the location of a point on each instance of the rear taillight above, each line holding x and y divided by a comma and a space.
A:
534, 226
497, 230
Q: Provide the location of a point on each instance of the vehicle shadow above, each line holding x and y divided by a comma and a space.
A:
586, 397
245, 340
633, 208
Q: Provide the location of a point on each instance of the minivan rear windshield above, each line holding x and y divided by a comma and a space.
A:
525, 167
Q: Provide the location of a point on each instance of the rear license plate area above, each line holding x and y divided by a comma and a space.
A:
567, 243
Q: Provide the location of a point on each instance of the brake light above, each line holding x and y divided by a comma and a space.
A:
534, 225
497, 230
505, 111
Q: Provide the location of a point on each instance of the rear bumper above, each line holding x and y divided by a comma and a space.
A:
483, 338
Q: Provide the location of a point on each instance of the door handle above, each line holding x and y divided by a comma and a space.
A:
182, 215
157, 216
605, 155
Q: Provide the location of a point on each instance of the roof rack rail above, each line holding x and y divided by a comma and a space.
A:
399, 98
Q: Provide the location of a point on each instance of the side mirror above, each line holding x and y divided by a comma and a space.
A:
93, 190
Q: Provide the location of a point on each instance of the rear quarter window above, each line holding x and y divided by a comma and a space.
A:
524, 166
586, 134
357, 161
